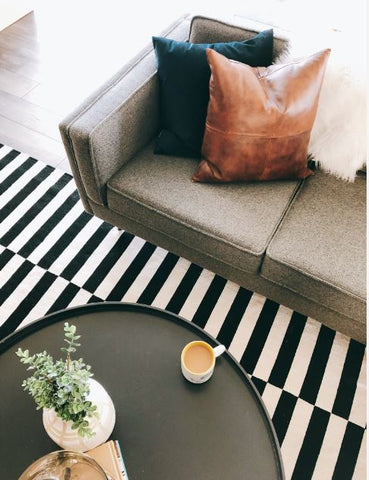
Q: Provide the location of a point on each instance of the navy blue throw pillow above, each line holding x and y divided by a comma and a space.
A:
184, 76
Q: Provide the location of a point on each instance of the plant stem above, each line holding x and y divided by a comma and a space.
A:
68, 361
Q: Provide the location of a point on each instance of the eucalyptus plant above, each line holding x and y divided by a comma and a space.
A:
62, 384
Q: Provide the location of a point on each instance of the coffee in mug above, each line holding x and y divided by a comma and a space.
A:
198, 360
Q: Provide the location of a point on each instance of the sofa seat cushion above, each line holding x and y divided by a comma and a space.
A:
319, 251
232, 222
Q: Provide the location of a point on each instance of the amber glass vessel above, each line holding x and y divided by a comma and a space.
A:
64, 465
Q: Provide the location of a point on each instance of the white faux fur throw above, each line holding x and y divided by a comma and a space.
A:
338, 138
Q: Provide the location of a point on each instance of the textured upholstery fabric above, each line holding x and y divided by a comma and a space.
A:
116, 121
233, 222
184, 76
259, 119
319, 250
210, 30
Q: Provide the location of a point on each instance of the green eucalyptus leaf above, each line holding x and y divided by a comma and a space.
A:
62, 385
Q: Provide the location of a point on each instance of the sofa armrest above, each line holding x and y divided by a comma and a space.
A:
115, 122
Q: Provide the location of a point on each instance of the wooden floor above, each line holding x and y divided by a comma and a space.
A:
49, 62
26, 124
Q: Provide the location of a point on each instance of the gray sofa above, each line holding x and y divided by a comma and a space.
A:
299, 243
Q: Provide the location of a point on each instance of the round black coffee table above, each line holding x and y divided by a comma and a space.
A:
168, 428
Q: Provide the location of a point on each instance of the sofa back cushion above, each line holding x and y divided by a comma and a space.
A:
211, 30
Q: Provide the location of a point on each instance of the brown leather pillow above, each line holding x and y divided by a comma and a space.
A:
259, 119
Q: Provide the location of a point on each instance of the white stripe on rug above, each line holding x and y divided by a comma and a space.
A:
221, 309
295, 435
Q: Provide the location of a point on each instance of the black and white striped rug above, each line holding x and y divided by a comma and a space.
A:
54, 255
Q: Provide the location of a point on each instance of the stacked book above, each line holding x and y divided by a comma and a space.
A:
109, 457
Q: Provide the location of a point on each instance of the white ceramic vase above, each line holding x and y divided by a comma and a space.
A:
62, 434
